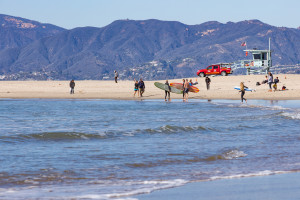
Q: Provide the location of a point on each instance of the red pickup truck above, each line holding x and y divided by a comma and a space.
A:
217, 69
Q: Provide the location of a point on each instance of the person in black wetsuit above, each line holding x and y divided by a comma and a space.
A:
242, 90
183, 81
167, 92
207, 81
72, 86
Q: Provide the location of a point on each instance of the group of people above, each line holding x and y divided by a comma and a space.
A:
139, 87
271, 82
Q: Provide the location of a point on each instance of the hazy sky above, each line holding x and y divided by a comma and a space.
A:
99, 13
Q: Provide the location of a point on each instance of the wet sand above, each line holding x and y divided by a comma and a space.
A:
273, 187
221, 88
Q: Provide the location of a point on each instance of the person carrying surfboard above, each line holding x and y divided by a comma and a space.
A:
167, 92
242, 90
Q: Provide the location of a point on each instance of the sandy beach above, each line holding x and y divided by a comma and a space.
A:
221, 88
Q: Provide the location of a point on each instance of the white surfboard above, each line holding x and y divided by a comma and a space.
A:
246, 89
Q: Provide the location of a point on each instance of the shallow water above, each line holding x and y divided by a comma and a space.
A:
102, 149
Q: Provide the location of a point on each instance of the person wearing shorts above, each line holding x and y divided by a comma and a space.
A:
136, 88
186, 90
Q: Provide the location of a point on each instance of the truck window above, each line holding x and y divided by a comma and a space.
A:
216, 67
209, 68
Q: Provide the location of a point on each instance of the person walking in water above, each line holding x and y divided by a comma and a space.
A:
242, 90
116, 76
207, 81
141, 87
270, 81
167, 91
136, 88
72, 86
186, 90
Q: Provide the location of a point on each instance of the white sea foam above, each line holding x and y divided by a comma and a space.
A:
260, 173
291, 115
92, 190
234, 154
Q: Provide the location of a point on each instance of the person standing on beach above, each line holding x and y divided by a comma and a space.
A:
270, 81
141, 87
242, 90
183, 81
186, 90
72, 86
167, 91
136, 88
116, 76
207, 81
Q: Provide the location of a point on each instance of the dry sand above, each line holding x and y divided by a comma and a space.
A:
221, 88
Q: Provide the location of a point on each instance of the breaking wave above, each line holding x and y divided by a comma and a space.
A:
291, 115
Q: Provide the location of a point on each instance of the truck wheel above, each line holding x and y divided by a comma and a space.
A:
223, 73
201, 74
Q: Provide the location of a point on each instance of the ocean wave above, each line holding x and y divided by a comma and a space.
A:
55, 136
175, 129
291, 115
227, 155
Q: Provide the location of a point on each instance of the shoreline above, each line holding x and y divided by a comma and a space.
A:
274, 186
222, 87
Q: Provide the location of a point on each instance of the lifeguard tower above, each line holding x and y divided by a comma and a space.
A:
261, 62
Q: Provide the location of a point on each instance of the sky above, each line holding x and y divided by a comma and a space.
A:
98, 13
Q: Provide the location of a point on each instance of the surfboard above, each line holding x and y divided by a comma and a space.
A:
246, 89
180, 87
165, 87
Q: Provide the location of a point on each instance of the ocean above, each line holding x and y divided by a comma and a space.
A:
110, 149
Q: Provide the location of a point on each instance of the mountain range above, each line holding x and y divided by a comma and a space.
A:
151, 49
